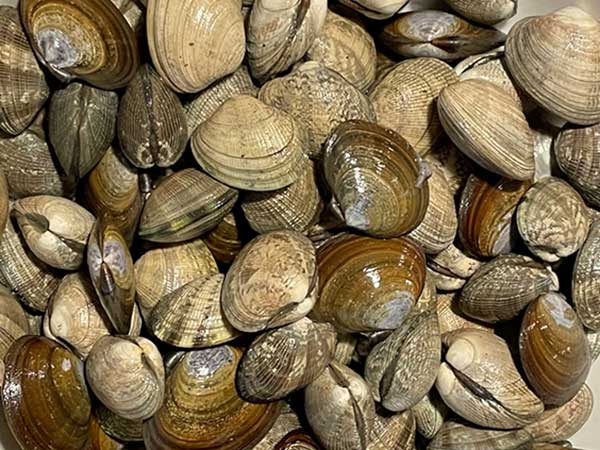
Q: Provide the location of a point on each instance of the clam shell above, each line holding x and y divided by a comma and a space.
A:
45, 398
297, 440
286, 424
318, 98
503, 287
454, 263
345, 348
455, 166
430, 414
586, 279
93, 40
427, 301
552, 219
376, 9
593, 338
23, 88
405, 100
488, 125
487, 11
117, 427
368, 284
280, 32
99, 440
35, 323
393, 432
379, 184
226, 240
182, 40
272, 282
456, 436
452, 319
446, 283
13, 324
285, 360
554, 350
554, 59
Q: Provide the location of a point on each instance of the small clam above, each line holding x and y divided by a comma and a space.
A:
457, 436
402, 369
286, 423
503, 287
13, 324
552, 219
451, 318
554, 59
368, 284
127, 375
297, 440
285, 360
444, 282
452, 262
487, 11
405, 100
554, 350
345, 348
488, 125
393, 431
280, 32
439, 35
430, 414
586, 280
272, 282
118, 427
340, 409
226, 240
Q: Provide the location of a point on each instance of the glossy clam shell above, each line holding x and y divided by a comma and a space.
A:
553, 58
318, 98
552, 219
405, 100
202, 409
487, 124
91, 40
368, 284
226, 240
430, 414
487, 11
272, 282
452, 319
586, 279
457, 436
13, 324
23, 88
393, 431
379, 184
45, 397
554, 350
503, 287
285, 360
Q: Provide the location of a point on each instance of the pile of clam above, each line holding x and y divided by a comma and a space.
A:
288, 224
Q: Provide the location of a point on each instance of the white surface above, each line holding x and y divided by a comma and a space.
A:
589, 436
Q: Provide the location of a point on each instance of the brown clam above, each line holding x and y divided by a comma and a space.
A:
427, 301
586, 280
45, 397
457, 436
487, 11
379, 184
318, 98
503, 287
185, 205
23, 88
272, 282
552, 219
368, 284
226, 240
452, 319
405, 100
393, 431
13, 324
554, 350
430, 414
202, 409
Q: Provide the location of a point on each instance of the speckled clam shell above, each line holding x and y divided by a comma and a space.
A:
393, 431
452, 319
430, 414
13, 324
552, 219
486, 11
586, 280
458, 436
376, 9
227, 239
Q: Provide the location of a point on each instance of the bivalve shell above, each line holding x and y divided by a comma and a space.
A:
227, 239
487, 11
13, 324
393, 431
376, 9
457, 436
430, 414
585, 283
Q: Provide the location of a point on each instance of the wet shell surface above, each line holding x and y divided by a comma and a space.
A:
13, 324
458, 436
486, 11
586, 280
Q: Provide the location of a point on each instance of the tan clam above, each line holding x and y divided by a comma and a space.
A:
553, 59
35, 323
318, 98
181, 40
99, 440
250, 145
444, 282
585, 281
488, 125
227, 239
552, 219
430, 414
280, 32
13, 324
393, 431
405, 100
458, 436
452, 319
272, 282
345, 348
452, 262
487, 11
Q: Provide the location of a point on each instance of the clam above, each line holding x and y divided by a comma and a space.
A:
23, 88
554, 350
393, 431
297, 440
405, 100
250, 145
99, 440
586, 279
444, 282
345, 348
347, 48
75, 317
272, 282
379, 184
226, 240
151, 124
503, 287
368, 284
486, 212
487, 11
93, 40
81, 124
452, 262
319, 98
35, 323
285, 360
593, 338
455, 166
553, 58
45, 398
402, 369
552, 219
481, 383
452, 319
430, 414
427, 301
118, 427
488, 125
562, 422
111, 271
280, 32
196, 43
376, 9
457, 436
127, 375
185, 205
202, 409
439, 35
13, 324
340, 409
